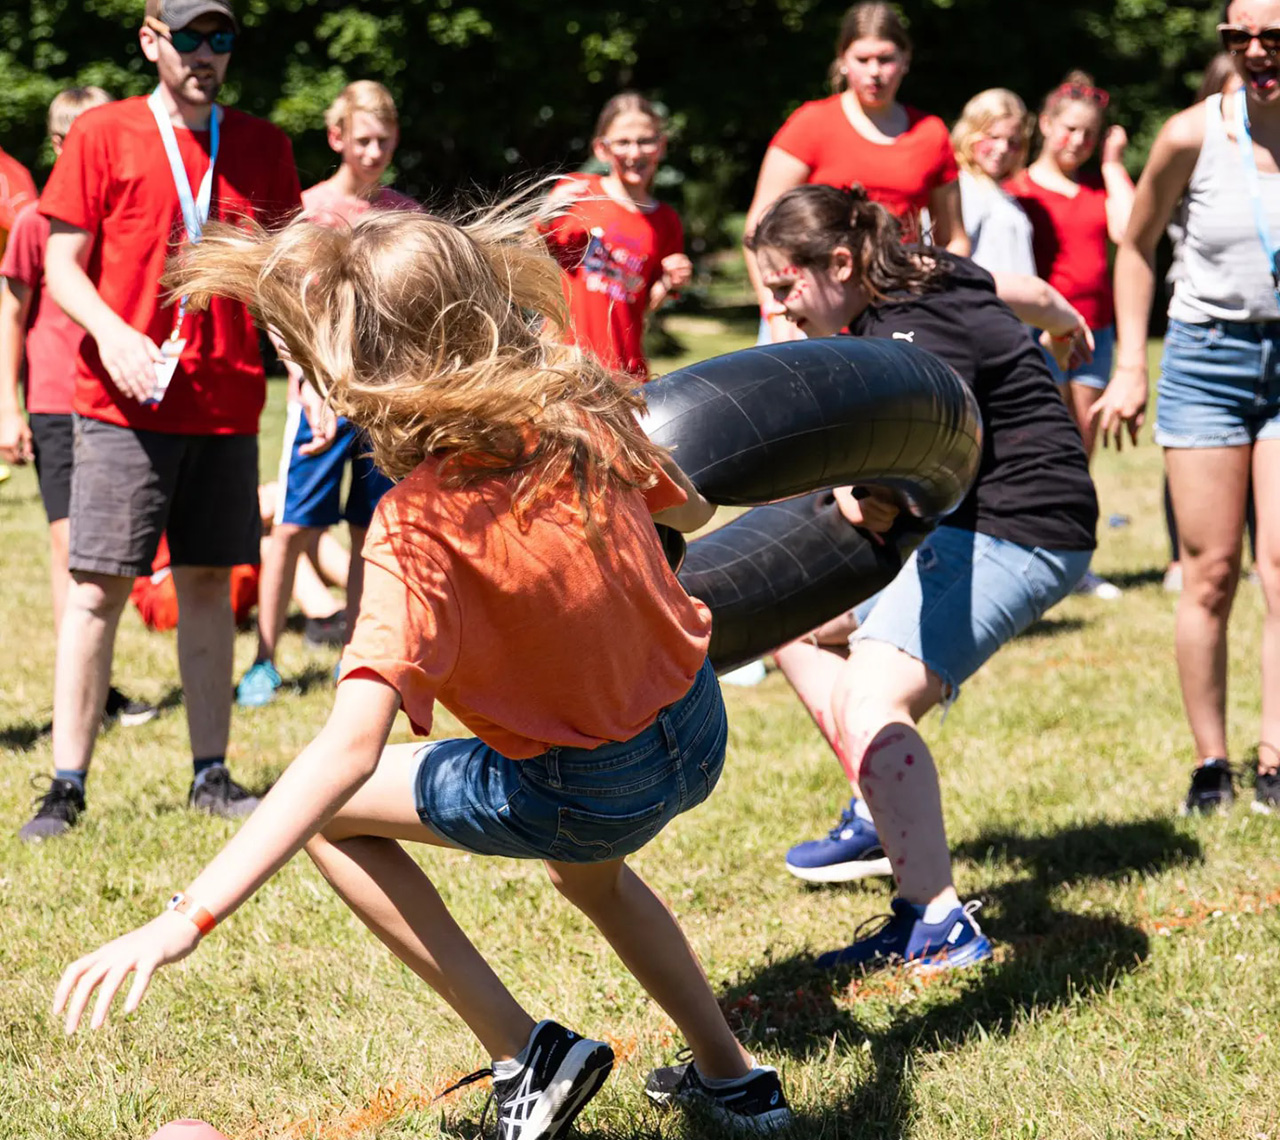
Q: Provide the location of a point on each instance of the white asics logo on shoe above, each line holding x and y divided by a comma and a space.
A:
909, 337
954, 936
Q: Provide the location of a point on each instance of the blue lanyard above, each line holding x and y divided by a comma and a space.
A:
195, 209
1245, 141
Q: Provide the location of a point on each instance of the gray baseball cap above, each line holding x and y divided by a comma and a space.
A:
179, 13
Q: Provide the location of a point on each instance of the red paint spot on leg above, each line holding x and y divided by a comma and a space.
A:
901, 777
910, 760
902, 862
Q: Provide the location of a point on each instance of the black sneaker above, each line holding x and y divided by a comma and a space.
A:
126, 711
539, 1094
328, 631
756, 1103
1266, 792
56, 810
1213, 788
215, 792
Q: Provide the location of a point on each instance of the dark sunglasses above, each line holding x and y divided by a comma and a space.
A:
1236, 39
186, 40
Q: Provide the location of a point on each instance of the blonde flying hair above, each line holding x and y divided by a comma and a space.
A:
979, 113
365, 95
69, 105
429, 334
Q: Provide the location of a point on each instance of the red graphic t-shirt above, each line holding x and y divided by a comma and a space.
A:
899, 175
612, 257
113, 180
1069, 238
53, 338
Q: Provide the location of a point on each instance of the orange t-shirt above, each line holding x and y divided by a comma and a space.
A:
519, 628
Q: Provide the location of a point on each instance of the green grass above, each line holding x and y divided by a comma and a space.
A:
1134, 993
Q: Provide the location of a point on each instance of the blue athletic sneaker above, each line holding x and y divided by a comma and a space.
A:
258, 686
905, 939
850, 851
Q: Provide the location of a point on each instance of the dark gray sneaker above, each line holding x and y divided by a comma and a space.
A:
756, 1103
1266, 792
56, 810
1213, 788
127, 711
216, 793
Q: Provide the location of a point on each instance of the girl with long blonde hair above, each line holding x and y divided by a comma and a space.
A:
515, 575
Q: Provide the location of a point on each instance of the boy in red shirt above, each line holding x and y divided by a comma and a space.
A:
17, 192
165, 438
52, 341
363, 129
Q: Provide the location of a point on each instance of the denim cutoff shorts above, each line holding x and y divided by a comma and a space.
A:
961, 595
1095, 374
1219, 384
576, 805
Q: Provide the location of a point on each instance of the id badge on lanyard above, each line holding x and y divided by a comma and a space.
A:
1245, 141
195, 213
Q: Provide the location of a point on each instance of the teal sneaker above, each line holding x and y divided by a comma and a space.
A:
258, 686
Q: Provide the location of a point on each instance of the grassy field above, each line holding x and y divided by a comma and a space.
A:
1134, 993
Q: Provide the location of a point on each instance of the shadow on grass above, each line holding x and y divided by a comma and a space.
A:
1052, 627
1133, 579
313, 676
1046, 958
25, 735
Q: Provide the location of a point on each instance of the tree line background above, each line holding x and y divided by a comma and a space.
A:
494, 90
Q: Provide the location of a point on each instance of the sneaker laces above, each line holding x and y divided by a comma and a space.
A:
471, 1079
847, 818
56, 798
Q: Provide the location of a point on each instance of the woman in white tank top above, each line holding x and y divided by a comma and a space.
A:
1218, 418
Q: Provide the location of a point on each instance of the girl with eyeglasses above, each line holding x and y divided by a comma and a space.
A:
862, 135
1219, 412
621, 249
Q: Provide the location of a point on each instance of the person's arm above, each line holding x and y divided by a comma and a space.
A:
129, 356
948, 219
323, 777
691, 515
677, 271
1119, 185
779, 172
1173, 158
1035, 302
15, 432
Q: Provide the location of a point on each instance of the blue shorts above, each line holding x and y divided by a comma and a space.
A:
962, 595
1219, 385
311, 485
1095, 374
576, 805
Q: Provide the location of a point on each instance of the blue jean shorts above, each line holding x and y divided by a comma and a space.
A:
962, 595
1219, 385
311, 485
576, 805
1095, 374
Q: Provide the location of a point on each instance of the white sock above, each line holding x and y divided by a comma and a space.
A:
861, 810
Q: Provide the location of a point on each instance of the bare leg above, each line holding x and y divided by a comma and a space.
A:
1080, 397
1266, 482
880, 696
309, 591
355, 577
279, 558
206, 642
648, 939
813, 672
332, 560
358, 854
82, 672
59, 575
1208, 486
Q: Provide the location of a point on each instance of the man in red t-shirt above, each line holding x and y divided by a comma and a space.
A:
167, 401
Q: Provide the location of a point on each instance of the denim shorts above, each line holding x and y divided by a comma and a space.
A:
962, 595
1219, 384
576, 805
1095, 374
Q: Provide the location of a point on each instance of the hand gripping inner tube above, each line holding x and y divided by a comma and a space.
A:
771, 423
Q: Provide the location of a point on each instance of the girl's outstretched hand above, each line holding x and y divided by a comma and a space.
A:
168, 938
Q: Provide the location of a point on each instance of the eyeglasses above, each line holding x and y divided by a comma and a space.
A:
1236, 39
186, 40
647, 145
1079, 92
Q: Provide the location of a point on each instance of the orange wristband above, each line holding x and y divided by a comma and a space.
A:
202, 918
